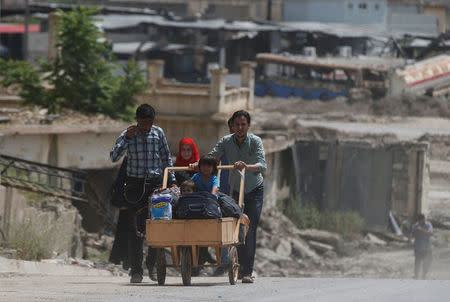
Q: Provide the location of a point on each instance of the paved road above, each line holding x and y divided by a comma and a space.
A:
112, 289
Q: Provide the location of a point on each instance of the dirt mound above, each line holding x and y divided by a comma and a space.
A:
411, 105
299, 106
404, 105
33, 115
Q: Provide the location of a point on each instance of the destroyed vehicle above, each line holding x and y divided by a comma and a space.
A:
324, 78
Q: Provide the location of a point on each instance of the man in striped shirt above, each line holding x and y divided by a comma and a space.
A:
148, 155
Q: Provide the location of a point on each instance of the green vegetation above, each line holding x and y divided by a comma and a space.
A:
82, 76
34, 198
30, 243
306, 215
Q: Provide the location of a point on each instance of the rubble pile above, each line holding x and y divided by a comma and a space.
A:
96, 246
33, 115
359, 102
412, 105
285, 250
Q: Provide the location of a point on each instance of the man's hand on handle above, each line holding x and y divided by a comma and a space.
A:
194, 166
239, 165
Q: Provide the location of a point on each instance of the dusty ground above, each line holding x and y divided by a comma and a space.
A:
38, 288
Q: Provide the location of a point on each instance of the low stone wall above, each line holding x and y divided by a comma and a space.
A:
439, 146
59, 221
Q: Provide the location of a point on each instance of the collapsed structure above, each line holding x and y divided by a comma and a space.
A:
311, 77
430, 76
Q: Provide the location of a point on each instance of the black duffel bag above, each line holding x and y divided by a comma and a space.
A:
198, 205
229, 206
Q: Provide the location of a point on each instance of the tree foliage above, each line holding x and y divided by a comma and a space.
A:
84, 74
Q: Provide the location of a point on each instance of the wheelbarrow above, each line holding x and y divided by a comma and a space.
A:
184, 237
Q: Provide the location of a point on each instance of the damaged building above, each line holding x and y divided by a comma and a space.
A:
189, 46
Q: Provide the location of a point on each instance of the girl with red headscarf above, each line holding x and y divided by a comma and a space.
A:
187, 154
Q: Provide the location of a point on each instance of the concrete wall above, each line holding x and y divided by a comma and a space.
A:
204, 132
77, 148
60, 222
412, 23
278, 180
37, 46
197, 111
440, 12
335, 11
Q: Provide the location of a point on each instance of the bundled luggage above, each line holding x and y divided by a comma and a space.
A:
228, 206
198, 205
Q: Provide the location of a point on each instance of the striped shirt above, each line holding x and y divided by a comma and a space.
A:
148, 155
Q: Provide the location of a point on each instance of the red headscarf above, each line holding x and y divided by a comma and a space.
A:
180, 161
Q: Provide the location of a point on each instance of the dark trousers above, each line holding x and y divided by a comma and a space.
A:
137, 215
253, 203
422, 260
119, 251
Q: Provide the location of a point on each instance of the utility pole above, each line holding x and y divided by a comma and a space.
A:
25, 34
269, 10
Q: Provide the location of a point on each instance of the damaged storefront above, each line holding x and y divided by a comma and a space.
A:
369, 178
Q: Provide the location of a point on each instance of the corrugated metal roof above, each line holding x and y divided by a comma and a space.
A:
424, 43
117, 21
132, 47
353, 63
427, 70
129, 48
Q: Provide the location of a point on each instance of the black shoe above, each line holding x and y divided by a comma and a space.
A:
136, 278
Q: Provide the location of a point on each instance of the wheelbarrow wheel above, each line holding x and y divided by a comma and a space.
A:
161, 266
233, 265
186, 265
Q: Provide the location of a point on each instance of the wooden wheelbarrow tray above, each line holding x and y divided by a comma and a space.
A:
184, 237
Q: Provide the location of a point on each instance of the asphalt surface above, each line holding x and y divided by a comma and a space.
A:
113, 288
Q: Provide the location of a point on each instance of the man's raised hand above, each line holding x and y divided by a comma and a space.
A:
131, 131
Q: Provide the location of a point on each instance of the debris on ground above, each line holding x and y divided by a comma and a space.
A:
33, 115
359, 103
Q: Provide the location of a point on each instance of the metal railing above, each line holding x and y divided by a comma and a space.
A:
36, 177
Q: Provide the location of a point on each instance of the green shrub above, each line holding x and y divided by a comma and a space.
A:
82, 77
306, 215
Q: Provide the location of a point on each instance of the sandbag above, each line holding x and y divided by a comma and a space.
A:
198, 205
